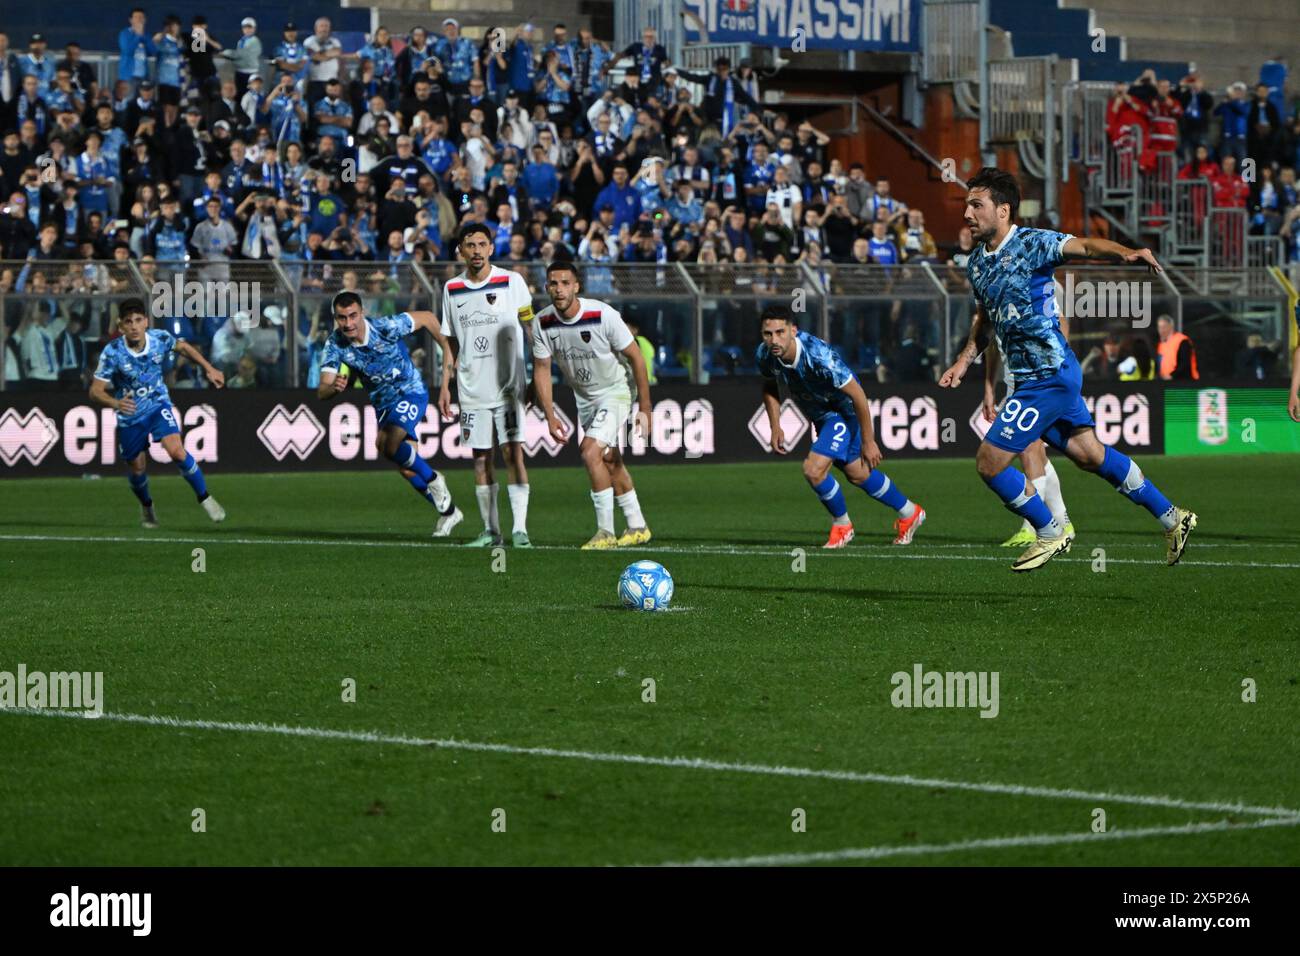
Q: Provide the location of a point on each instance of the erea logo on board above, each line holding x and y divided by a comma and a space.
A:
29, 436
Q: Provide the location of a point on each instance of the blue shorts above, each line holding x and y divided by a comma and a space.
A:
407, 411
839, 439
133, 439
1048, 408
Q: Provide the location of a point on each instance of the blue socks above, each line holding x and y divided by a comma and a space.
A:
832, 497
883, 490
140, 487
189, 470
1009, 485
406, 457
1122, 472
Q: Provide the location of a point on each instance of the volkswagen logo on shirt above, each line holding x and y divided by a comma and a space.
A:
481, 343
584, 375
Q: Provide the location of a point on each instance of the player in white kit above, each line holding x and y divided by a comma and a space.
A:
486, 312
595, 351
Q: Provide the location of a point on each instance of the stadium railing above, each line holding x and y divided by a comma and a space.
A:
702, 318
950, 48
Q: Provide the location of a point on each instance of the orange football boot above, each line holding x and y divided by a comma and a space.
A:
905, 528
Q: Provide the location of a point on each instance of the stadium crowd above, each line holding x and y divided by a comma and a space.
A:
566, 148
1166, 117
563, 146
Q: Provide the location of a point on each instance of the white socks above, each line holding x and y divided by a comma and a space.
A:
631, 509
1051, 492
487, 506
604, 502
908, 509
518, 495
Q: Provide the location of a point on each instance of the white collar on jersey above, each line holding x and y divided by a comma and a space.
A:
1005, 239
581, 309
365, 339
798, 348
492, 274
144, 350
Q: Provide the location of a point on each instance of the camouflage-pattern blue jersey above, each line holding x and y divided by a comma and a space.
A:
138, 374
1014, 285
382, 360
815, 380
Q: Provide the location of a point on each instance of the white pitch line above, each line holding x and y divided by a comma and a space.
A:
868, 553
688, 763
994, 843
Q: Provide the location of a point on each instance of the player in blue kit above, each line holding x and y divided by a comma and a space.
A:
132, 366
1011, 274
801, 366
374, 350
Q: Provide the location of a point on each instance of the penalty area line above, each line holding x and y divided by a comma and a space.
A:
994, 843
687, 763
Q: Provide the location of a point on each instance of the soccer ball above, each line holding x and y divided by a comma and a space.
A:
646, 586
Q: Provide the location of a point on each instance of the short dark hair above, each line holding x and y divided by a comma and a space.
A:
1002, 187
345, 299
129, 307
563, 265
779, 312
468, 230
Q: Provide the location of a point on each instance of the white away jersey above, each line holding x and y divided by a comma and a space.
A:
587, 348
485, 318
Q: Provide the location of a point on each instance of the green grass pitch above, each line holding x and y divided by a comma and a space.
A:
516, 695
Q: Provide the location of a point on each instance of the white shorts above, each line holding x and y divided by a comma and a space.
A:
477, 425
605, 421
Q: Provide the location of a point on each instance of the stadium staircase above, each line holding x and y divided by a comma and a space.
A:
1223, 42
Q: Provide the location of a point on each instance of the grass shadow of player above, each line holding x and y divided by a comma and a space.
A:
867, 594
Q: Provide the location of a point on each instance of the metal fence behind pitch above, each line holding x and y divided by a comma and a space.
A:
950, 48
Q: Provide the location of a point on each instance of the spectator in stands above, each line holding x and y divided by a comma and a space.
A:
1102, 362
40, 361
246, 55
70, 350
882, 199
1135, 362
1166, 102
1257, 360
909, 361
1176, 354
326, 56
915, 243
1193, 126
1234, 113
135, 47
723, 95
11, 83
200, 53
1230, 190
1263, 129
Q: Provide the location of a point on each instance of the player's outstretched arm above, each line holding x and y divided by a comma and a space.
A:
1097, 248
214, 374
957, 371
642, 377
870, 450
772, 404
